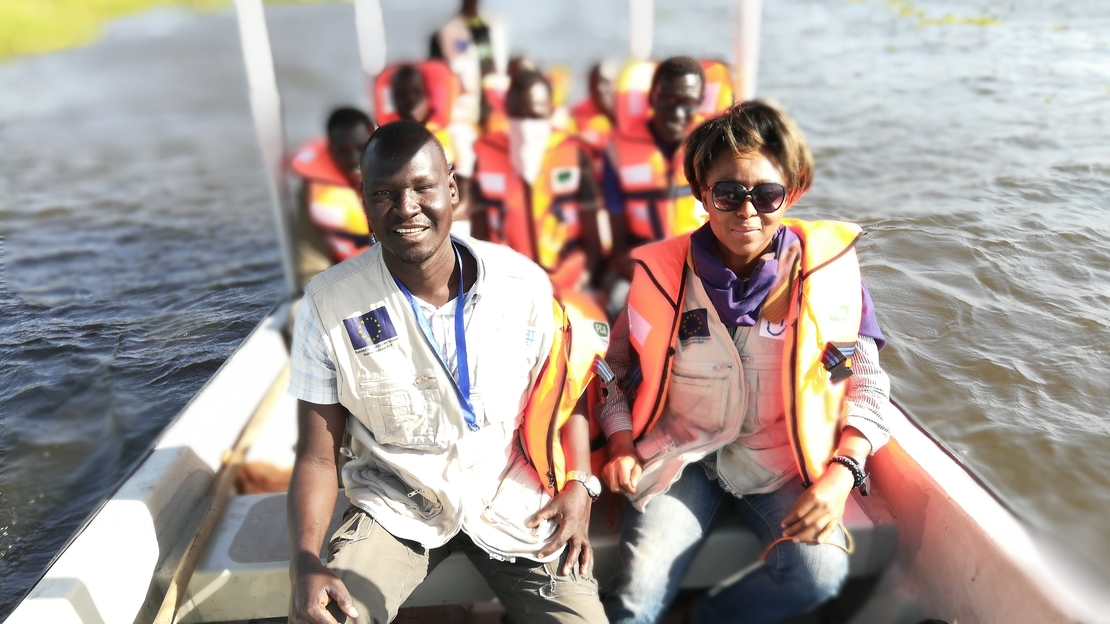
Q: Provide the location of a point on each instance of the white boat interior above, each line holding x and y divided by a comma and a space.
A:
931, 543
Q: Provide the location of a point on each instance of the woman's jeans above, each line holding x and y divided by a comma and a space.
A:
658, 545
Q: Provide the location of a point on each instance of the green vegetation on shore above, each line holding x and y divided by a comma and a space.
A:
37, 26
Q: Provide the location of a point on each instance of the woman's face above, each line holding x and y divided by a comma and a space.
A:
742, 235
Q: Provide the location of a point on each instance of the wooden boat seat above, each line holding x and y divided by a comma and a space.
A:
244, 570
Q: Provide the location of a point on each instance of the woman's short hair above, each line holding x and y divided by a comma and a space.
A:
752, 127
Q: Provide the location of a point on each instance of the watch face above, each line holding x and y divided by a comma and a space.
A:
593, 486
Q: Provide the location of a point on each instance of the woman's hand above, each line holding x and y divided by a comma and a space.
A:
622, 472
818, 510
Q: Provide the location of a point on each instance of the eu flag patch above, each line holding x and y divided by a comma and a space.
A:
372, 327
694, 324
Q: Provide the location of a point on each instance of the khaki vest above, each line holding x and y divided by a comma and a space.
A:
725, 396
418, 470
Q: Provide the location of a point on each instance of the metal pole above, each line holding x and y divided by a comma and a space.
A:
745, 46
266, 110
370, 28
641, 14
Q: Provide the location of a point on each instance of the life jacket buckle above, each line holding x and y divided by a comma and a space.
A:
837, 360
607, 377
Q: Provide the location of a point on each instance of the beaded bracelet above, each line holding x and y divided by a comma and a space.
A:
858, 475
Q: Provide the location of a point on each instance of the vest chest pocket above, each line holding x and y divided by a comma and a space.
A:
765, 406
699, 401
408, 415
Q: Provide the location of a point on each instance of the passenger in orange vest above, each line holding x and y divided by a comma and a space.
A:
747, 375
330, 224
645, 190
593, 118
411, 102
475, 45
535, 190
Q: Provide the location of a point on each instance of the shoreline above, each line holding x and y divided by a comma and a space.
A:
32, 27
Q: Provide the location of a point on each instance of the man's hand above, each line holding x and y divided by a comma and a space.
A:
570, 509
314, 587
818, 510
621, 473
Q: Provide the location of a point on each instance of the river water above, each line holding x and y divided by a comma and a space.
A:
971, 140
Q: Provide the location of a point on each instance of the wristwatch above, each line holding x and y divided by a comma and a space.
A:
592, 483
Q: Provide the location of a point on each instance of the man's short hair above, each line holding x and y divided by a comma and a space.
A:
677, 67
406, 73
525, 79
401, 137
348, 117
752, 127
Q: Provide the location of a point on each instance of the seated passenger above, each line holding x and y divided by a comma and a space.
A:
411, 100
765, 377
430, 351
475, 45
330, 225
646, 192
535, 190
593, 118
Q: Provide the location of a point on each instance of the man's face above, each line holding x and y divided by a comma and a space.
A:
409, 196
410, 98
675, 101
345, 145
535, 103
601, 91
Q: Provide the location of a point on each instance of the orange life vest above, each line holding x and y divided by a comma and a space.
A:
579, 340
658, 203
825, 309
334, 206
540, 221
495, 87
443, 89
592, 125
633, 88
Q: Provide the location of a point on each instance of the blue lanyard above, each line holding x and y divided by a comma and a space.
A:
462, 386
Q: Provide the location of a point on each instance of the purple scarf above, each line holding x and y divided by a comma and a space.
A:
738, 302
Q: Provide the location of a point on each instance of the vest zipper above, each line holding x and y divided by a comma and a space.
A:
533, 237
553, 428
657, 408
795, 430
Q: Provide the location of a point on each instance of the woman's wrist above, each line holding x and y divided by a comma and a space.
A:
620, 443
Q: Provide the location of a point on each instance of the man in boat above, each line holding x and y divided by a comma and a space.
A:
593, 118
426, 350
536, 191
645, 190
330, 225
410, 93
475, 46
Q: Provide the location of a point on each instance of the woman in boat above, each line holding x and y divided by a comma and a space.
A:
749, 348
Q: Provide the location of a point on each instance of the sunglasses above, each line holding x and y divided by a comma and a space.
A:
729, 196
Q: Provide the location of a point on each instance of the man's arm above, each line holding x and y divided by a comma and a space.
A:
312, 495
571, 506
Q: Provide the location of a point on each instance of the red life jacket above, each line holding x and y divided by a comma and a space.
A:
443, 89
540, 221
658, 203
334, 206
